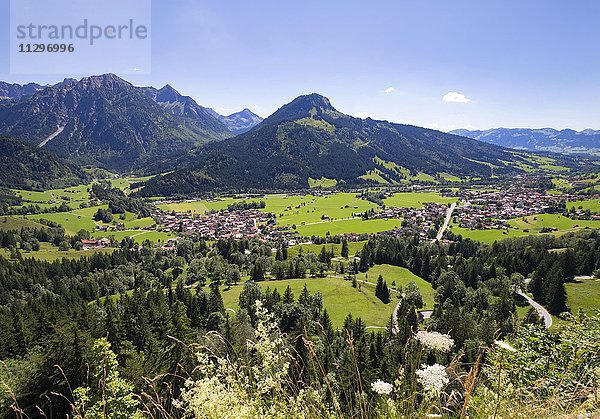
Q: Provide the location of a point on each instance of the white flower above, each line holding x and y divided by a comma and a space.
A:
504, 345
432, 377
381, 387
435, 340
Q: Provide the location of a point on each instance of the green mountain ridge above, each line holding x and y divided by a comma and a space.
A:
309, 138
28, 167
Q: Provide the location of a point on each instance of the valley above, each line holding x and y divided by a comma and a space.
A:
153, 225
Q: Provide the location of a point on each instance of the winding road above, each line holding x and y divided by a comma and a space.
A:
538, 307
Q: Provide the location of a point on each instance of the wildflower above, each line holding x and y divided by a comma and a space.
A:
432, 377
381, 387
504, 345
435, 340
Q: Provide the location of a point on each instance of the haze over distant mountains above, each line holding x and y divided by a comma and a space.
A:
545, 139
239, 122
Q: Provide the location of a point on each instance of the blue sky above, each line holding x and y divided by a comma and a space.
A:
505, 63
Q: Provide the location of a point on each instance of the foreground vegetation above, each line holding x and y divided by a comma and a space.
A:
165, 343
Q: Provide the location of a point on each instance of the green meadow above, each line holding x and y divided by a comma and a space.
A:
339, 298
402, 277
353, 247
530, 225
51, 253
584, 295
593, 205
355, 225
416, 199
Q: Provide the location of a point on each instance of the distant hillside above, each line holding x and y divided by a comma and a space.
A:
105, 121
547, 139
239, 122
28, 167
309, 138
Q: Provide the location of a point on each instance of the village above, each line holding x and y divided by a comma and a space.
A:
492, 210
476, 210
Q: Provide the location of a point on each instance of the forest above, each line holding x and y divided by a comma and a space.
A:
138, 305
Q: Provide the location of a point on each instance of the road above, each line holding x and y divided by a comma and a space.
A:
538, 307
446, 221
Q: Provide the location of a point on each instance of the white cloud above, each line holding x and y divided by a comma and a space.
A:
362, 115
455, 97
433, 125
254, 107
389, 90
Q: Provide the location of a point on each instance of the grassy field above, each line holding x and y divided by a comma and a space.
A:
530, 226
487, 236
16, 223
402, 276
197, 207
339, 298
353, 247
72, 221
322, 183
73, 196
50, 253
584, 295
356, 225
450, 178
415, 199
534, 223
138, 235
593, 205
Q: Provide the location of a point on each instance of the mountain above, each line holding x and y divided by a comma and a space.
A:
309, 138
239, 122
184, 106
105, 121
29, 167
16, 91
546, 139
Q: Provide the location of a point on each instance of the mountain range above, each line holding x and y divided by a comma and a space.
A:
309, 138
106, 121
545, 139
239, 122
15, 91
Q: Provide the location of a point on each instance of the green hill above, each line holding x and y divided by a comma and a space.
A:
29, 167
309, 139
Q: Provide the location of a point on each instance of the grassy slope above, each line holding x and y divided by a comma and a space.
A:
584, 295
50, 253
339, 298
402, 276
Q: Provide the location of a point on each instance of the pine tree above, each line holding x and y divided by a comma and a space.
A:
288, 296
345, 250
215, 300
554, 290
